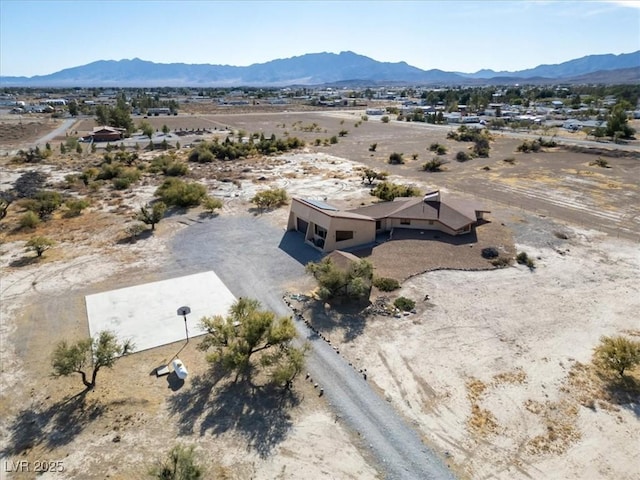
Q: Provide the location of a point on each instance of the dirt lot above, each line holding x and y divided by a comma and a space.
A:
520, 402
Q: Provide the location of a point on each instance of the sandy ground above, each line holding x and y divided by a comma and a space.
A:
483, 369
487, 367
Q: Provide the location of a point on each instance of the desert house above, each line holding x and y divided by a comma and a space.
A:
107, 134
328, 228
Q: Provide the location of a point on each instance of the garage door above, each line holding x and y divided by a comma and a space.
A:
302, 225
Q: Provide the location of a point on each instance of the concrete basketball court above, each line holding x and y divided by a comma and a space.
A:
148, 314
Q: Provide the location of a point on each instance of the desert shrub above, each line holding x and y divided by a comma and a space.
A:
547, 143
396, 158
211, 204
466, 134
388, 191
176, 192
500, 262
176, 169
274, 197
135, 229
334, 281
529, 146
201, 155
132, 174
384, 119
121, 183
39, 245
600, 162
617, 353
481, 147
33, 155
343, 133
523, 259
29, 220
169, 166
75, 206
405, 304
109, 171
438, 148
386, 284
462, 156
43, 203
333, 140
180, 464
372, 147
509, 160
433, 165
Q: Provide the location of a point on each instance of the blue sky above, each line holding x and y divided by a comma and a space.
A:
41, 37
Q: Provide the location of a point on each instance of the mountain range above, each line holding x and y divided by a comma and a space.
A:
326, 69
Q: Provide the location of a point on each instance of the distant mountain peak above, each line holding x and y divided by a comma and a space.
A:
316, 69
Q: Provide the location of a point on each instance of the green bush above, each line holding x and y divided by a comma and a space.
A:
433, 165
500, 262
76, 206
201, 155
405, 304
386, 284
388, 191
169, 166
271, 198
211, 204
462, 156
121, 183
43, 203
438, 148
523, 259
176, 192
396, 158
29, 220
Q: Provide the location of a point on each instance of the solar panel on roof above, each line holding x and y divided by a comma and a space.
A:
321, 205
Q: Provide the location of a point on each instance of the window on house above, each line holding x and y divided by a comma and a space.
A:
405, 221
320, 232
378, 224
342, 235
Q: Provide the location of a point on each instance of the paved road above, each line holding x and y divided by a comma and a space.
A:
255, 259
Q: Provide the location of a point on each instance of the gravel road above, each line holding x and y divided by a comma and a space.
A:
255, 259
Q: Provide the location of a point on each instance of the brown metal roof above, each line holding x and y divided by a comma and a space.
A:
455, 214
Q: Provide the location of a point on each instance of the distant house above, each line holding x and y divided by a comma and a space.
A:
327, 228
572, 124
159, 111
107, 134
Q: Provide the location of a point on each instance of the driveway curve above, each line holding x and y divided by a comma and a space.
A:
256, 259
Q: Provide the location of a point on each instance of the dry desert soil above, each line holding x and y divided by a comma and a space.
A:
493, 369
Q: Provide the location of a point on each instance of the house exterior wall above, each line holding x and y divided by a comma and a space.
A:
421, 225
363, 232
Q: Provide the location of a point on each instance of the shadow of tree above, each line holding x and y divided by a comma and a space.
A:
24, 261
261, 414
52, 426
208, 215
622, 391
349, 316
131, 239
